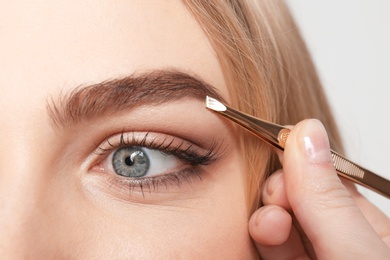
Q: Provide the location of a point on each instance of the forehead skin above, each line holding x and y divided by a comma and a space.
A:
51, 47
103, 38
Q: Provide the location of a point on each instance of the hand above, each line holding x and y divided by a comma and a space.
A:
309, 213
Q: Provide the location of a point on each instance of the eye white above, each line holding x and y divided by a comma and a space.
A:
161, 162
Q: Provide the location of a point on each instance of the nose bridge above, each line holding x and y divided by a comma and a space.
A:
20, 136
19, 169
22, 182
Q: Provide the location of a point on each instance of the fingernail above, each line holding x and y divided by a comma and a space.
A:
273, 183
315, 142
259, 215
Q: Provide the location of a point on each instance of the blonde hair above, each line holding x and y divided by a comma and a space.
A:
268, 72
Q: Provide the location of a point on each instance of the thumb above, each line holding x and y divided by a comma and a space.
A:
322, 205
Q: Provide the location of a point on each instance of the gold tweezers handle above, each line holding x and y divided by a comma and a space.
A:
362, 176
277, 135
350, 170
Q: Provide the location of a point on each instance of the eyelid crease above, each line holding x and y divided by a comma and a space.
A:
182, 149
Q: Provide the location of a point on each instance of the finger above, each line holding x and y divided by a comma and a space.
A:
274, 236
274, 192
270, 225
320, 202
378, 220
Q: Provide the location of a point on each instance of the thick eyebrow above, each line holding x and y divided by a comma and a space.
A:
114, 96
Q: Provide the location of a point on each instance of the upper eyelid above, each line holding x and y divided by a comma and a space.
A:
130, 137
158, 141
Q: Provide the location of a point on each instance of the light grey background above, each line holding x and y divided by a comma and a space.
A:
350, 43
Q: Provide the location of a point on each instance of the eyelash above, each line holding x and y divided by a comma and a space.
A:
181, 149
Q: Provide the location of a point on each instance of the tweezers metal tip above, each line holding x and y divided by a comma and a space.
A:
214, 104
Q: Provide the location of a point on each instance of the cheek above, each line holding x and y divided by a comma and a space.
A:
212, 222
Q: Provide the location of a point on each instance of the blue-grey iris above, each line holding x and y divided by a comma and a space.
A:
130, 161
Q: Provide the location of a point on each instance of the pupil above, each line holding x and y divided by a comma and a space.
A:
129, 161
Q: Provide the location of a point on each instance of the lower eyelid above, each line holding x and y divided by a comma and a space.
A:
153, 189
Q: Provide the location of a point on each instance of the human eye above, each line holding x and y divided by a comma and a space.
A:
145, 161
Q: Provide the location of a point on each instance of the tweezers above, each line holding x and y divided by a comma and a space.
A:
277, 135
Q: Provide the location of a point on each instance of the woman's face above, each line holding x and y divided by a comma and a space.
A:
133, 165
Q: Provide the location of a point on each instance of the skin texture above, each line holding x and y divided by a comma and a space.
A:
56, 199
60, 199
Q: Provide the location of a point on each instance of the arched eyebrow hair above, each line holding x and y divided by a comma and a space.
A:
114, 96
